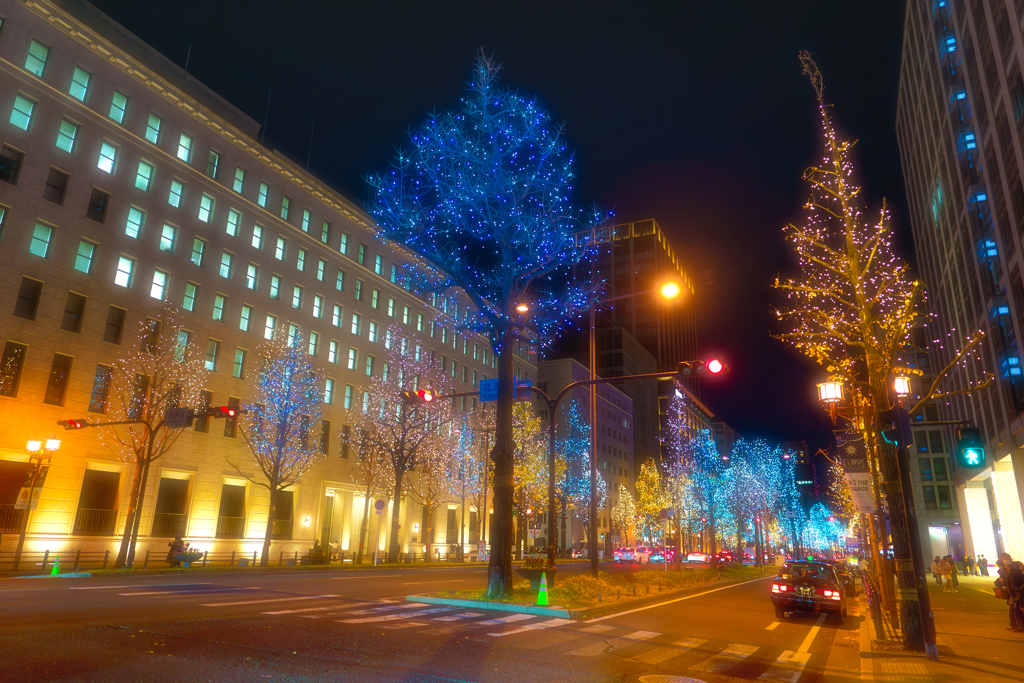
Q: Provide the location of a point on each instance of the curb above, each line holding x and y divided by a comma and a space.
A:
69, 575
494, 606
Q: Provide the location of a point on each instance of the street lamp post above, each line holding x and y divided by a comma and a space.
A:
36, 456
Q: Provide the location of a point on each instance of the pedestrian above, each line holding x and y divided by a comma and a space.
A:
954, 573
1003, 565
983, 565
970, 566
937, 571
1015, 587
175, 547
946, 569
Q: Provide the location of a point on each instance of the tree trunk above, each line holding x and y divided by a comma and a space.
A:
265, 554
499, 569
393, 545
364, 527
129, 523
139, 499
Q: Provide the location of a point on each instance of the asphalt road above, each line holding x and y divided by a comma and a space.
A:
356, 626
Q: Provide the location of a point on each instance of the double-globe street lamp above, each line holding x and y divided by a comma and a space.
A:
37, 452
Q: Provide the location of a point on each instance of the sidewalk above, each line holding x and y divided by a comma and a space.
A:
974, 644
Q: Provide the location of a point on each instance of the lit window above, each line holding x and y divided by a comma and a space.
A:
212, 164
225, 264
281, 248
243, 320
419, 322
275, 286
356, 320
305, 220
328, 390
268, 330
369, 366
35, 60
325, 232
118, 106
159, 286
219, 302
321, 266
206, 204
153, 128
40, 244
234, 218
950, 44
83, 259
167, 237
373, 332
136, 218
79, 84
108, 158
66, 136
262, 199
293, 332
405, 319
366, 402
239, 183
125, 272
21, 114
198, 245
343, 248
174, 198
352, 358
144, 176
374, 298
391, 307
297, 297
340, 282
378, 265
969, 141
314, 343
336, 317
285, 207
191, 293
185, 148
318, 306
359, 290
362, 254
251, 276
238, 372
211, 354
300, 261
257, 236
348, 396
394, 274
332, 352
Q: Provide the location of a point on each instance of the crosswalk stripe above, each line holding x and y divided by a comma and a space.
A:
597, 628
689, 643
726, 659
787, 668
256, 602
606, 646
592, 650
666, 652
204, 591
641, 635
404, 625
456, 617
395, 617
390, 608
319, 609
506, 620
531, 627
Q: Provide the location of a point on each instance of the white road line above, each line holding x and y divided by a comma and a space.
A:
806, 645
506, 620
395, 617
531, 627
597, 628
772, 626
137, 585
685, 597
204, 590
257, 602
317, 609
726, 659
389, 608
661, 654
606, 646
405, 625
787, 668
641, 635
456, 617
382, 576
420, 583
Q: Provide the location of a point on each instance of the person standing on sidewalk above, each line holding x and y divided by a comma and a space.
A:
970, 566
983, 565
946, 569
954, 573
937, 570
1015, 586
1004, 564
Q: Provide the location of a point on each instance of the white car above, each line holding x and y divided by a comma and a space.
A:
697, 558
642, 555
623, 554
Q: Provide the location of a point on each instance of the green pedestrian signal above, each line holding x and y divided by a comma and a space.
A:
970, 448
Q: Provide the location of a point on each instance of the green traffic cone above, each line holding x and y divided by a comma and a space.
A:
542, 595
56, 566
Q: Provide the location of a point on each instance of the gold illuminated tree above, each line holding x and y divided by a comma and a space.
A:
650, 499
624, 512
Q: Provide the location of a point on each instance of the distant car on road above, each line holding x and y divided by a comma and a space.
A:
642, 555
808, 587
845, 575
623, 555
697, 558
659, 555
725, 557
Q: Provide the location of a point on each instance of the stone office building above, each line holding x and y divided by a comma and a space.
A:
125, 184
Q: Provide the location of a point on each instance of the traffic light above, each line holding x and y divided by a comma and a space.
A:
420, 397
970, 448
73, 424
703, 520
700, 368
224, 411
898, 422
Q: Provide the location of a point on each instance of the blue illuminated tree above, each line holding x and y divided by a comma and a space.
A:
483, 199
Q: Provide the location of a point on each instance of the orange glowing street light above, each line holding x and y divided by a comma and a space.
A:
670, 290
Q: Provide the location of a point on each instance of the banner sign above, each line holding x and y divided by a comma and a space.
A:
854, 457
23, 502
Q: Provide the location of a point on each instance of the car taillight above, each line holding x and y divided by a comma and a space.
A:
779, 588
832, 594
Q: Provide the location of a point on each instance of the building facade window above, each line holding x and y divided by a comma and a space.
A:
118, 107
84, 257
79, 84
66, 135
21, 113
185, 148
153, 128
35, 60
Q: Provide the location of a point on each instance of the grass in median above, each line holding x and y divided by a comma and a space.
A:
581, 591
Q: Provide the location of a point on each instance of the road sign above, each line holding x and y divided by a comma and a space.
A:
488, 390
378, 505
521, 395
664, 513
176, 417
791, 514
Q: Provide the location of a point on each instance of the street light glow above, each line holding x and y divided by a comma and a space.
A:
34, 446
670, 290
52, 444
902, 386
830, 392
522, 308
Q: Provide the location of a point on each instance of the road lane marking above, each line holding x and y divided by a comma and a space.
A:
641, 635
607, 646
382, 576
506, 620
661, 654
395, 617
137, 585
257, 602
806, 645
419, 583
787, 668
726, 659
317, 609
531, 627
390, 608
597, 628
204, 590
685, 597
456, 617
772, 626
405, 625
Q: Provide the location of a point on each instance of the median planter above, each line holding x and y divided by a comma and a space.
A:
533, 576
187, 559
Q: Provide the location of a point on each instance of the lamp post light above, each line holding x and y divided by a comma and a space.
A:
902, 386
38, 451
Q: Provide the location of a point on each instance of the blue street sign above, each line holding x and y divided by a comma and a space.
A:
524, 396
488, 390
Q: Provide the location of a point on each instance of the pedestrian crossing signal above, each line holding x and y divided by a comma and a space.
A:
970, 448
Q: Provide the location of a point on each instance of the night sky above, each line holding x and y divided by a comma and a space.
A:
692, 113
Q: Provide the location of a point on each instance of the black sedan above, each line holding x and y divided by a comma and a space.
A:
809, 587
846, 576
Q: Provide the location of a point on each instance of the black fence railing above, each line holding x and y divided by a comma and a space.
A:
231, 527
94, 522
10, 519
282, 529
168, 525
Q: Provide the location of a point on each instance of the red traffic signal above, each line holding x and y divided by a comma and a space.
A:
703, 520
716, 366
73, 424
418, 397
700, 368
224, 411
